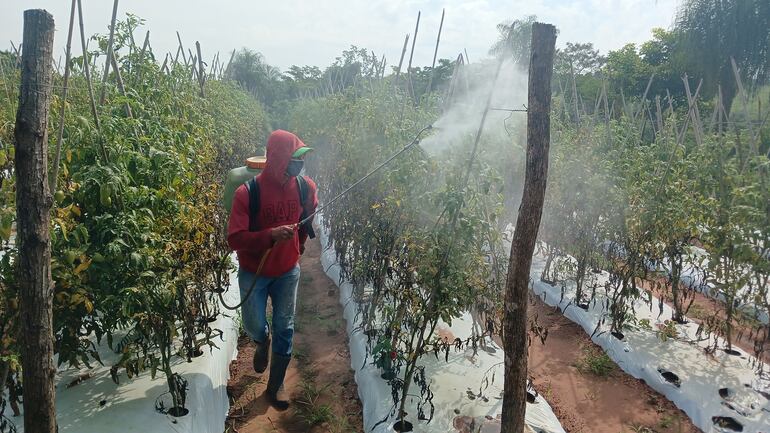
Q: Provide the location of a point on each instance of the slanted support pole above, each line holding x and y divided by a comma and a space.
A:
515, 335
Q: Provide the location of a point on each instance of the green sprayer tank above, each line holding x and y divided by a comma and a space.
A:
239, 176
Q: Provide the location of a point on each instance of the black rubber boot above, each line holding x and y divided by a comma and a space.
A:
274, 392
261, 355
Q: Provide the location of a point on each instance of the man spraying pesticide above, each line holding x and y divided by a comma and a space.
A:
270, 220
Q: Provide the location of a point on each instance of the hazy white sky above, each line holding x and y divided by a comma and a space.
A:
314, 32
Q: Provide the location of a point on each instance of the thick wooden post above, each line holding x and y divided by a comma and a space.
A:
33, 205
527, 225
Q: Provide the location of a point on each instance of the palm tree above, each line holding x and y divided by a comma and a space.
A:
514, 40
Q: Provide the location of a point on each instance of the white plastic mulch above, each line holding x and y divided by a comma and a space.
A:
98, 405
450, 381
642, 354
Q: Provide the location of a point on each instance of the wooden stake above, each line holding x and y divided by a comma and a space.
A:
7, 92
201, 70
33, 222
181, 47
165, 60
141, 56
89, 83
68, 55
401, 60
515, 329
103, 93
411, 56
435, 54
121, 88
230, 62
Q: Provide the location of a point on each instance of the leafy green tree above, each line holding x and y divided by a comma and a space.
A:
578, 58
711, 32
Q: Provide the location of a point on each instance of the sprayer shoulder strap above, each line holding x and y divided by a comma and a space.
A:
254, 201
303, 190
253, 187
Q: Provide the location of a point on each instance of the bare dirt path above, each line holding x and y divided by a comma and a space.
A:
325, 396
586, 402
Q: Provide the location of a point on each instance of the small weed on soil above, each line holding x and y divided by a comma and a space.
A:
594, 361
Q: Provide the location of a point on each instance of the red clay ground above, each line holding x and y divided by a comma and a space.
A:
588, 403
319, 378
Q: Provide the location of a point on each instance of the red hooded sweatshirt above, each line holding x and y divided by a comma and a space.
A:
279, 205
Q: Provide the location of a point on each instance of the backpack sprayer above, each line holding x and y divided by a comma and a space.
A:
310, 217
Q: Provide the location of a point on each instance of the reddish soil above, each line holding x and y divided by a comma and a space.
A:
588, 403
324, 392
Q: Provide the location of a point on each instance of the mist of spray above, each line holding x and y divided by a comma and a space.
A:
461, 120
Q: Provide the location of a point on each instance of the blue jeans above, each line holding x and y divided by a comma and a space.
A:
283, 295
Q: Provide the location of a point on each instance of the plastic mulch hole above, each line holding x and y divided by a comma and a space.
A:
617, 334
727, 423
178, 411
407, 426
531, 398
670, 377
583, 305
732, 352
371, 333
489, 349
725, 393
195, 353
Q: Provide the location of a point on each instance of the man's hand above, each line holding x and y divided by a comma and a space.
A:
282, 233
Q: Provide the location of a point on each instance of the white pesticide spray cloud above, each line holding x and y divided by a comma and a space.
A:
460, 122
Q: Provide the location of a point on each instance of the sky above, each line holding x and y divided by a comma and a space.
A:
289, 32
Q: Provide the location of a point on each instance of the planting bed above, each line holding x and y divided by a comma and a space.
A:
720, 393
88, 401
461, 399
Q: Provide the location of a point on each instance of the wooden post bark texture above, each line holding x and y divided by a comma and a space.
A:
33, 204
515, 339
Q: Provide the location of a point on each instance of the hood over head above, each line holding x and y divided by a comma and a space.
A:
280, 146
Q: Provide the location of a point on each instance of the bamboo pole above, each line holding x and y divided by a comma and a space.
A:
68, 55
230, 62
5, 83
435, 53
165, 60
411, 56
141, 56
89, 83
201, 71
181, 47
401, 60
17, 52
176, 57
103, 93
121, 88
